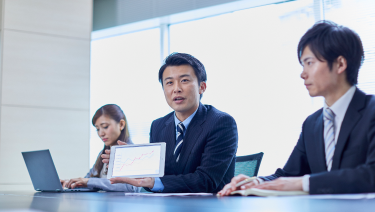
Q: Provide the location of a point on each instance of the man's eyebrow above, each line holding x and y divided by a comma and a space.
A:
304, 60
168, 78
181, 76
185, 75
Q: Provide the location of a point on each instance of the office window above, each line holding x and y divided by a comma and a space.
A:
358, 15
124, 72
253, 73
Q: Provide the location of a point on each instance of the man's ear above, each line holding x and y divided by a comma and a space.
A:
341, 64
202, 87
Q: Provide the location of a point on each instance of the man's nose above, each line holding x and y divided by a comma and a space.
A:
303, 74
177, 88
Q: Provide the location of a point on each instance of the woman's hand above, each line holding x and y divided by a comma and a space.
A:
63, 183
75, 182
108, 152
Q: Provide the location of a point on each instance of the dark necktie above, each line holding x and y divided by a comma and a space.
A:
179, 141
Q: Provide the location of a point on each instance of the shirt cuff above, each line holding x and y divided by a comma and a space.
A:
158, 185
306, 183
90, 184
260, 180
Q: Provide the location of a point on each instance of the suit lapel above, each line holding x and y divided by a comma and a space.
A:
170, 140
319, 146
191, 136
351, 118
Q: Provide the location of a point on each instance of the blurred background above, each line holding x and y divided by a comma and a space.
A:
62, 60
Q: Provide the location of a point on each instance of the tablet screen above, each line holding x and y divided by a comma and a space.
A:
138, 160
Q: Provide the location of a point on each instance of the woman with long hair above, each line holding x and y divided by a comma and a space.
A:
112, 126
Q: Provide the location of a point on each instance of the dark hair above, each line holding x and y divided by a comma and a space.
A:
114, 112
178, 59
328, 41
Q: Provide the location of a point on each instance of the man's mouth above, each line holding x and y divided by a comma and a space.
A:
178, 99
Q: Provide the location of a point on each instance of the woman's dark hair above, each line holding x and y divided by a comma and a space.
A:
114, 112
178, 59
328, 41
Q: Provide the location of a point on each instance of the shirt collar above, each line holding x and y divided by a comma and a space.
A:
186, 122
341, 105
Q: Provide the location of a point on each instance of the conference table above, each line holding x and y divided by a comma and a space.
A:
117, 201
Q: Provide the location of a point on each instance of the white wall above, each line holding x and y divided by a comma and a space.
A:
45, 86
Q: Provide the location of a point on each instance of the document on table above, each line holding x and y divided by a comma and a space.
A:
168, 194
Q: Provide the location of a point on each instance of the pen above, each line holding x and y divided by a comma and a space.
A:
248, 180
243, 182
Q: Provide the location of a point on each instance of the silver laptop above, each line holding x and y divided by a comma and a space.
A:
43, 173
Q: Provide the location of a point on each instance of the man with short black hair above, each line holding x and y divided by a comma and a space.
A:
201, 141
336, 149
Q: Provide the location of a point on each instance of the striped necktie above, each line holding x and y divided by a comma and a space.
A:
180, 137
329, 136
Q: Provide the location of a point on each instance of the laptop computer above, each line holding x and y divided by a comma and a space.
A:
43, 173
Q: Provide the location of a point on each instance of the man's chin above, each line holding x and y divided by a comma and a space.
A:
313, 94
178, 108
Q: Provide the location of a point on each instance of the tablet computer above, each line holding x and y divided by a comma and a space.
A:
137, 160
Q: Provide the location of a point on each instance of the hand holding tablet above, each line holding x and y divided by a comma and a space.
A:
107, 153
148, 182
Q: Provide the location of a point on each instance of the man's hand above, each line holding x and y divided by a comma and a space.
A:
108, 152
147, 182
76, 182
283, 184
230, 187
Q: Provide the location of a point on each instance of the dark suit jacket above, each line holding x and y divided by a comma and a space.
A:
208, 153
353, 166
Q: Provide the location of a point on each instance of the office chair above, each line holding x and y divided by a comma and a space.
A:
248, 164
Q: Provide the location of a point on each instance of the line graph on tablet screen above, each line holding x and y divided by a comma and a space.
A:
136, 161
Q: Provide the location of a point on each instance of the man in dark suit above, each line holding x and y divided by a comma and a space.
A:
201, 141
336, 149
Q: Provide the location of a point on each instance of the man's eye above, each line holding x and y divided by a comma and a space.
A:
105, 127
168, 83
184, 80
